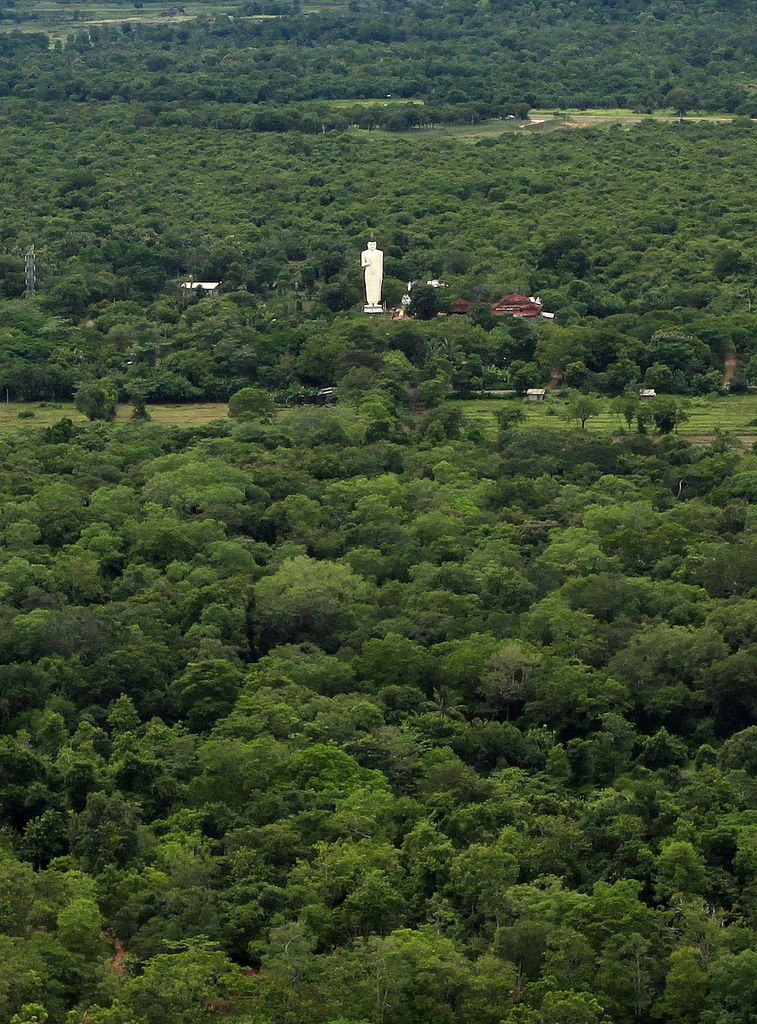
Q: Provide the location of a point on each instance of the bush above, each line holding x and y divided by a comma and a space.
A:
97, 400
250, 404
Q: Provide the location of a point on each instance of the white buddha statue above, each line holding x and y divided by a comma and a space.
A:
372, 262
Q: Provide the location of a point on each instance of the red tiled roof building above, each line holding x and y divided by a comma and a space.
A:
517, 305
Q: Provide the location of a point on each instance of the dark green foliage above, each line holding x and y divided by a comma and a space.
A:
355, 715
465, 62
250, 404
97, 400
473, 718
424, 302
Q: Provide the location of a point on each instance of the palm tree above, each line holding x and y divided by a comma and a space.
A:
444, 702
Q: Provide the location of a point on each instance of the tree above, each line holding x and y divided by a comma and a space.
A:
307, 599
505, 677
739, 752
565, 253
105, 832
394, 659
205, 692
445, 702
524, 375
680, 869
572, 1008
626, 406
576, 374
560, 1007
583, 408
424, 302
625, 975
97, 400
730, 261
249, 404
186, 986
489, 992
686, 985
30, 1013
733, 994
406, 978
80, 928
433, 392
138, 390
480, 877
666, 412
681, 100
508, 418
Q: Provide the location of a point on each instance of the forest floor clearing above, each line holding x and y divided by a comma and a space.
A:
734, 413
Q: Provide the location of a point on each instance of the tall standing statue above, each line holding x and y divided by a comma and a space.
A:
372, 262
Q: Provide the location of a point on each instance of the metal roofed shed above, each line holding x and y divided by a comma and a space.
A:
211, 287
326, 394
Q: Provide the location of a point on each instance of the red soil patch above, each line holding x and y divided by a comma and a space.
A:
117, 963
731, 362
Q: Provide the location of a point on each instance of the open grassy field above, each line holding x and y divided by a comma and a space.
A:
492, 128
46, 413
385, 101
540, 121
58, 19
734, 413
620, 114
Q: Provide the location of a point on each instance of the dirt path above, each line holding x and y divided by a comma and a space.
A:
731, 362
700, 440
117, 963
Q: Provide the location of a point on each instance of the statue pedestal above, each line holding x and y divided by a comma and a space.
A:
370, 308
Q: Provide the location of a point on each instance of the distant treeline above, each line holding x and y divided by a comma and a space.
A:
488, 59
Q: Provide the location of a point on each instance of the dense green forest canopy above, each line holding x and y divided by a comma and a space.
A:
364, 714
320, 728
484, 59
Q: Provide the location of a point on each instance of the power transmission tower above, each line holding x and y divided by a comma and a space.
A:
31, 274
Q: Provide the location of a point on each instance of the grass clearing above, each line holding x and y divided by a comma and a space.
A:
540, 121
47, 413
625, 114
383, 101
462, 132
734, 413
59, 20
